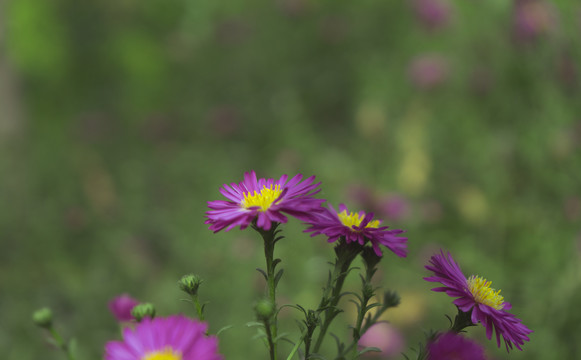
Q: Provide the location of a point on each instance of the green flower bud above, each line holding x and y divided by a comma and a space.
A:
390, 299
264, 309
43, 318
140, 311
190, 284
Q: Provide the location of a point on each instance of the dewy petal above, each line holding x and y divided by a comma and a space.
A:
500, 321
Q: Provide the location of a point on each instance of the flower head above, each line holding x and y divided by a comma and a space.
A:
172, 338
263, 200
121, 307
453, 346
475, 295
357, 227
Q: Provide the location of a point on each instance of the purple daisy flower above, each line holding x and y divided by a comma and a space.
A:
357, 227
172, 338
453, 346
121, 307
475, 294
264, 200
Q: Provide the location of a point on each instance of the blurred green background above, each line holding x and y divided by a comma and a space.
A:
458, 121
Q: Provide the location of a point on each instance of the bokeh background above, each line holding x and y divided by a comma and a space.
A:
459, 121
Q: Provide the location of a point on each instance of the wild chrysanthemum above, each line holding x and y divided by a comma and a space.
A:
454, 346
263, 201
171, 338
475, 295
357, 227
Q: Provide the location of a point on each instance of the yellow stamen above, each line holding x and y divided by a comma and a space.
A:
166, 354
264, 199
354, 219
483, 293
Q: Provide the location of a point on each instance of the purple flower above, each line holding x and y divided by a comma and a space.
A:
453, 346
428, 71
395, 207
357, 227
383, 336
172, 338
533, 18
475, 294
432, 14
263, 200
121, 307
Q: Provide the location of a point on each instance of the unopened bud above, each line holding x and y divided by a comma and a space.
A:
190, 284
43, 318
264, 309
390, 299
141, 311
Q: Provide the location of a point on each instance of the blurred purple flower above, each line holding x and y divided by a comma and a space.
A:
361, 195
428, 71
533, 18
432, 14
121, 307
383, 336
395, 207
453, 346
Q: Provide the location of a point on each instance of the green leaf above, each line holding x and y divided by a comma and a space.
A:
278, 276
224, 328
263, 273
368, 349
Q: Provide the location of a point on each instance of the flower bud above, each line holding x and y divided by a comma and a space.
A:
43, 318
391, 299
190, 284
264, 309
142, 310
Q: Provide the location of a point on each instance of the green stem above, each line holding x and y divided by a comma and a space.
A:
345, 255
270, 239
199, 308
271, 344
296, 347
60, 342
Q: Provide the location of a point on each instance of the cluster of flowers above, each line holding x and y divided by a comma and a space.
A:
265, 203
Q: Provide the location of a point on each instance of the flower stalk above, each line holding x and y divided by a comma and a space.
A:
272, 277
345, 254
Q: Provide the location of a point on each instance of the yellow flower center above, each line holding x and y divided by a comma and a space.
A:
264, 199
166, 354
354, 219
483, 293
